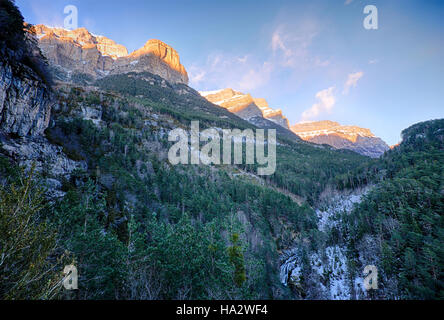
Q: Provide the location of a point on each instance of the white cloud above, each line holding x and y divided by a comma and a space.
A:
277, 43
321, 63
240, 72
243, 59
347, 2
291, 46
247, 71
326, 102
196, 76
352, 81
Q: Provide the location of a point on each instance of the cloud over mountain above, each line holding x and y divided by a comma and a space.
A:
326, 102
352, 81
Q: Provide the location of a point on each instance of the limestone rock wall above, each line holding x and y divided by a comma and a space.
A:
25, 101
79, 51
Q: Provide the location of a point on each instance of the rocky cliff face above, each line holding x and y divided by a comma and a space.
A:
354, 138
25, 100
274, 115
80, 52
155, 57
245, 106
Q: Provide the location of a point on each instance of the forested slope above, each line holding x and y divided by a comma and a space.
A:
404, 214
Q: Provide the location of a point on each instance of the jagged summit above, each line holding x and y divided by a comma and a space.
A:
79, 51
354, 138
84, 38
163, 51
245, 106
274, 115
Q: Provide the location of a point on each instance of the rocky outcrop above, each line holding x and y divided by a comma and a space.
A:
353, 138
80, 52
72, 52
38, 151
25, 100
155, 57
245, 106
236, 102
277, 117
108, 47
162, 51
274, 115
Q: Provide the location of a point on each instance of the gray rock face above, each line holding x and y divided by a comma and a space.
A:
280, 120
249, 111
47, 157
25, 101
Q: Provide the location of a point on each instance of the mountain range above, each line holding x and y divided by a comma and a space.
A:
78, 55
327, 132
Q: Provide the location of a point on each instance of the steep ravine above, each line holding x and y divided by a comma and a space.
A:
324, 273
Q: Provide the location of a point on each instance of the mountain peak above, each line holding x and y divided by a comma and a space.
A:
326, 127
81, 51
245, 106
354, 138
163, 51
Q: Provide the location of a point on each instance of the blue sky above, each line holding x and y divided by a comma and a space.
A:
312, 59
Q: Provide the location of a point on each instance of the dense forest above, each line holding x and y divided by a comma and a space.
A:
404, 213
